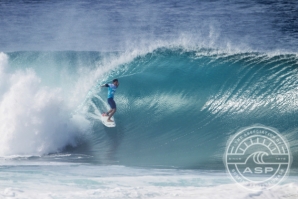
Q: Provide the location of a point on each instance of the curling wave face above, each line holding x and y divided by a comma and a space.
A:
176, 107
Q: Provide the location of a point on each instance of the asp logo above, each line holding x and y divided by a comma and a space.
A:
257, 157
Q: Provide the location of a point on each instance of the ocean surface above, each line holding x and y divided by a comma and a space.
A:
191, 74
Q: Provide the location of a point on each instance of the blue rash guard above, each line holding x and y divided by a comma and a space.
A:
111, 90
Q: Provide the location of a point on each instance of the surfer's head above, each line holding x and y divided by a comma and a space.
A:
115, 82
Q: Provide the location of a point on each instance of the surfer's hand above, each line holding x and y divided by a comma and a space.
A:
105, 85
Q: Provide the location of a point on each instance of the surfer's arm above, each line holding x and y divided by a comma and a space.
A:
105, 85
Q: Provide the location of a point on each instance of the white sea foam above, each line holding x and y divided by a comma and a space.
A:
37, 119
86, 181
34, 119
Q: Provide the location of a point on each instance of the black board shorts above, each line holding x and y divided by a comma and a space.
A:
112, 103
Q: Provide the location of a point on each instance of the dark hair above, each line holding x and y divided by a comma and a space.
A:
115, 80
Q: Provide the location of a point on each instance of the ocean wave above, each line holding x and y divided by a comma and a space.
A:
177, 106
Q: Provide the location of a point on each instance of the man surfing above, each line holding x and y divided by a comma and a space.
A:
111, 90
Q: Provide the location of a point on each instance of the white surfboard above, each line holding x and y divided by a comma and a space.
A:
106, 123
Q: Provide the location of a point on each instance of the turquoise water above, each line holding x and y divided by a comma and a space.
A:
191, 73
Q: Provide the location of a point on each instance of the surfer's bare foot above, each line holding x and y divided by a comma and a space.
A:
110, 120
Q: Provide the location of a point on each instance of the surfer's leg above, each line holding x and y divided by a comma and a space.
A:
109, 112
113, 109
111, 115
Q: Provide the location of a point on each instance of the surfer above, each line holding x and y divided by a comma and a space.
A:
111, 90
